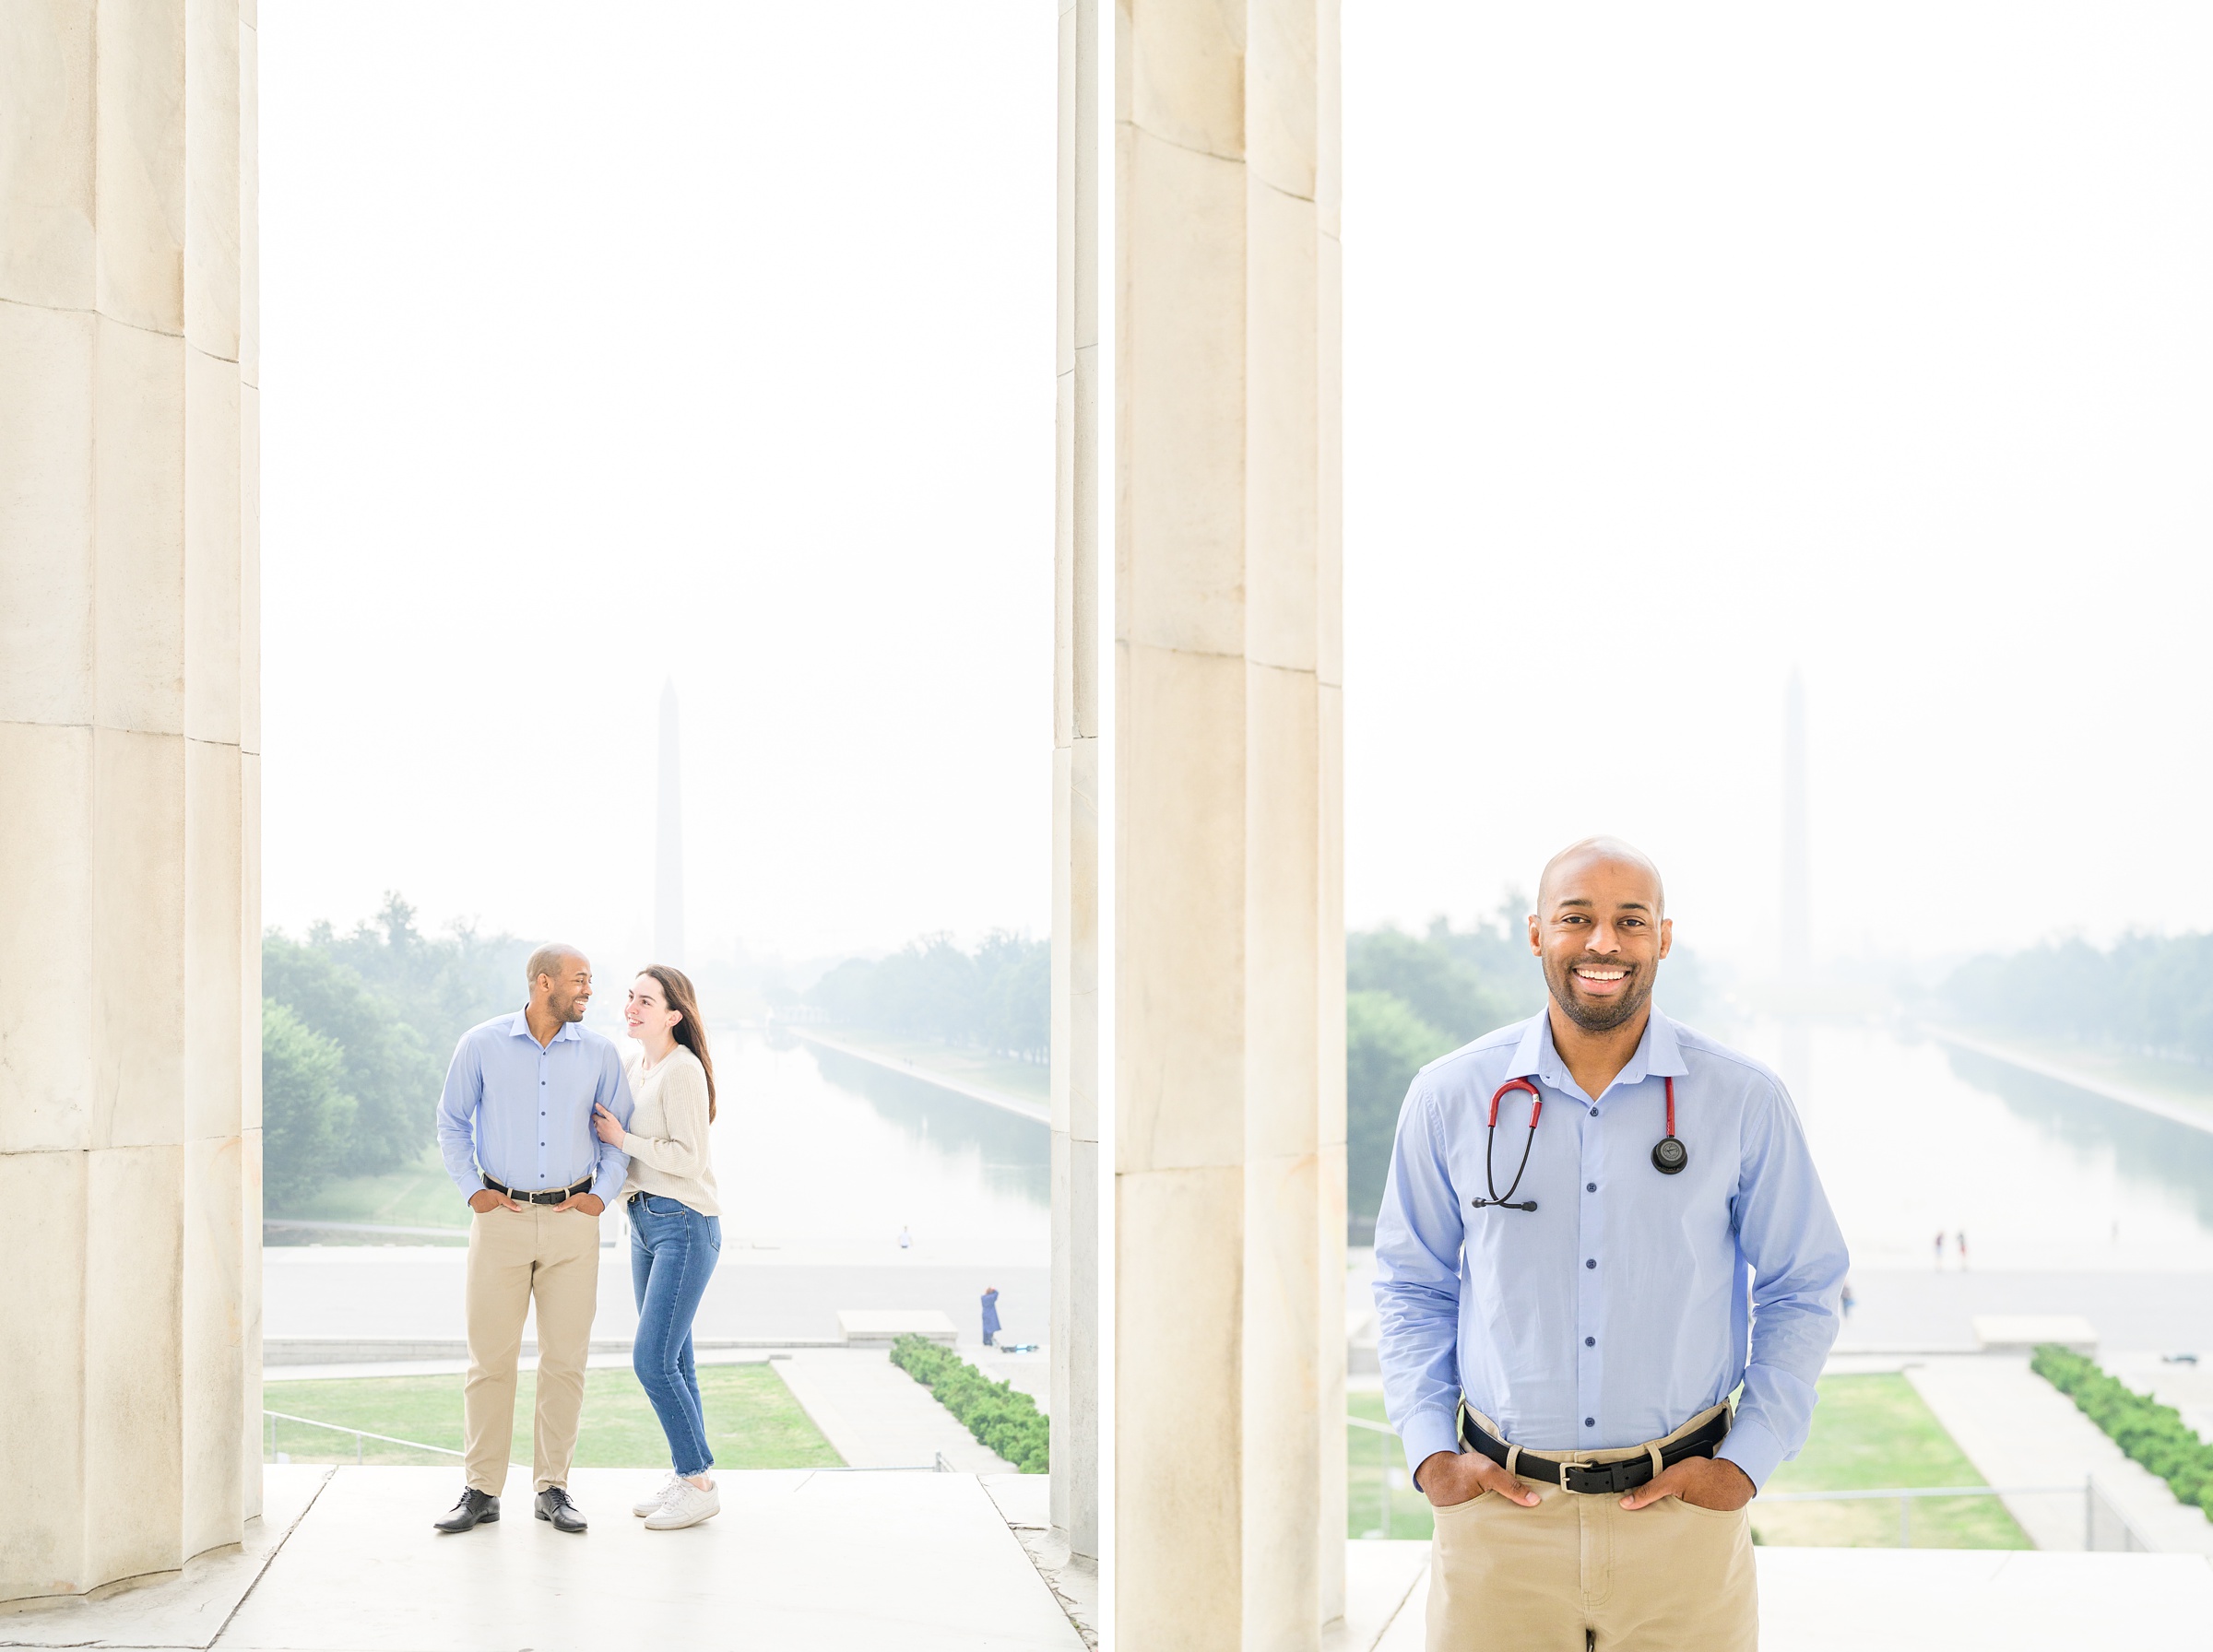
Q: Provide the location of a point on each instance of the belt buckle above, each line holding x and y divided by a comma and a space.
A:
1598, 1478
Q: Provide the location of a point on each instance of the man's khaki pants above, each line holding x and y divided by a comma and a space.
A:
514, 1257
1667, 1577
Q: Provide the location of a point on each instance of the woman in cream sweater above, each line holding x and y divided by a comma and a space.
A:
675, 1226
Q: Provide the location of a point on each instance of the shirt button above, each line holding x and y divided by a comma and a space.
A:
1592, 1263
1590, 1421
1594, 1113
1589, 1187
1590, 1341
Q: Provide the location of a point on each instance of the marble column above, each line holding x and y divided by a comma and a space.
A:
130, 1001
1074, 1395
1229, 964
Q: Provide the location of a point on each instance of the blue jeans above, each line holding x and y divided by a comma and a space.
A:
673, 1250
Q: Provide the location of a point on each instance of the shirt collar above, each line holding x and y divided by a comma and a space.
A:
1659, 1054
520, 1028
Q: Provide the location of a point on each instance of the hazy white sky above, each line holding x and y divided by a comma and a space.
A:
1681, 346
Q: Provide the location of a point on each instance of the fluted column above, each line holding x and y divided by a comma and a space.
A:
1229, 1125
1074, 1403
129, 790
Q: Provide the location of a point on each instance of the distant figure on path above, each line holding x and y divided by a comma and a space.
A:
1939, 1250
1960, 1240
1846, 1301
991, 1314
1583, 1291
514, 1125
906, 1240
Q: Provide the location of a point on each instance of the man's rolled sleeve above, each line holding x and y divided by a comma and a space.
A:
613, 1164
457, 1104
1789, 1237
1418, 1233
1752, 1446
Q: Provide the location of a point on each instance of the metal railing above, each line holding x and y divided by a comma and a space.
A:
2104, 1527
1384, 1437
359, 1435
939, 1465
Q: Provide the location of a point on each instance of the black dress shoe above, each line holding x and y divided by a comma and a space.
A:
476, 1508
554, 1505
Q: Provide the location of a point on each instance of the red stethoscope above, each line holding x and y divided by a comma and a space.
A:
1669, 1154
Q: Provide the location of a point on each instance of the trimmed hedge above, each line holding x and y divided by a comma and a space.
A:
2152, 1433
998, 1414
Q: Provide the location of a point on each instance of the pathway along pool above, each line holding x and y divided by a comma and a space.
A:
1912, 1137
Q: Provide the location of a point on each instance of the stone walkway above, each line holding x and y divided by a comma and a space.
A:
878, 1417
1916, 1311
2018, 1430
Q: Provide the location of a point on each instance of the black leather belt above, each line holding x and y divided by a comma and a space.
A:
1617, 1477
552, 1196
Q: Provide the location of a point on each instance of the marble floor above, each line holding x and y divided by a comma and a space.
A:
923, 1562
346, 1562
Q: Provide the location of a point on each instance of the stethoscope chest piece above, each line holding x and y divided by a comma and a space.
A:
1669, 1154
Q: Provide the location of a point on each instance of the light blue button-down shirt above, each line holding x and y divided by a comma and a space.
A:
1628, 1301
523, 1112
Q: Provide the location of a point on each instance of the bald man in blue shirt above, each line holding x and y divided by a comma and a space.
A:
514, 1125
1597, 1225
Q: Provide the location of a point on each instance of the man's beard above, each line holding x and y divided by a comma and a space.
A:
1607, 1014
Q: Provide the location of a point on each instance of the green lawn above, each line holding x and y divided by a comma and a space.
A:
752, 1421
422, 1196
1370, 1460
1875, 1430
1868, 1430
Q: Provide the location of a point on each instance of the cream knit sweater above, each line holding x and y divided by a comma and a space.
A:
667, 1139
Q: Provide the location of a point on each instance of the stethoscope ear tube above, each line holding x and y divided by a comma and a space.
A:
1669, 1154
1490, 1135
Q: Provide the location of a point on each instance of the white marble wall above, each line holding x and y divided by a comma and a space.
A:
130, 1000
1074, 1402
1229, 1204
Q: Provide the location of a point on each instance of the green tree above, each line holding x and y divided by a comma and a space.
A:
385, 1066
1385, 1044
998, 997
391, 1002
306, 1116
440, 985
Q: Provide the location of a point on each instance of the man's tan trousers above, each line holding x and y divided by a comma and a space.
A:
515, 1256
1667, 1577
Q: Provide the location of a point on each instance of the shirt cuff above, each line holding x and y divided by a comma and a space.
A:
607, 1184
1426, 1434
1753, 1447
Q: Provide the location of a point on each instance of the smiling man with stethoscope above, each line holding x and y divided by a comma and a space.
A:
1598, 1223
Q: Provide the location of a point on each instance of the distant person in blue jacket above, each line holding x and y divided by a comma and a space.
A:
991, 1314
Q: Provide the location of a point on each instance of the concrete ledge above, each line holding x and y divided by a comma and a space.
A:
2023, 1333
879, 1327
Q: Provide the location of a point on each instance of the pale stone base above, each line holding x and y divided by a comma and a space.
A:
822, 1561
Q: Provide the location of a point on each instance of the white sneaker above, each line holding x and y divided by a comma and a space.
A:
646, 1506
687, 1506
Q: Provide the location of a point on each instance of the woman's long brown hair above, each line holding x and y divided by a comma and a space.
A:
675, 992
